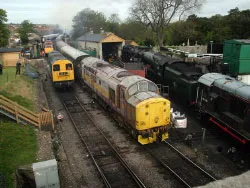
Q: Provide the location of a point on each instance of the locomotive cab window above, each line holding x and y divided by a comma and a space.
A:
56, 67
68, 66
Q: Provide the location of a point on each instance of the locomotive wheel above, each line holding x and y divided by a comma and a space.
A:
134, 134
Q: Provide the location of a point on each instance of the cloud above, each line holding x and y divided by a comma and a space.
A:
62, 11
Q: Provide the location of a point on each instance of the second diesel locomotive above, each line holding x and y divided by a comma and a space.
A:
61, 70
134, 100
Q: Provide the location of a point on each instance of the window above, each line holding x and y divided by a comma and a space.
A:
152, 87
56, 67
143, 86
68, 66
133, 90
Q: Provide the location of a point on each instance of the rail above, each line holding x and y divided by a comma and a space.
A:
114, 171
22, 115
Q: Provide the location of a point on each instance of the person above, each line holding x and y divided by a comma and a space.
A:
18, 67
1, 69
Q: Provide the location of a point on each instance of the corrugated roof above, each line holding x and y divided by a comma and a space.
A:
4, 50
93, 37
243, 40
227, 83
240, 41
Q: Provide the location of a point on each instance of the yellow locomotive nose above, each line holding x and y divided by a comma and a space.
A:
153, 119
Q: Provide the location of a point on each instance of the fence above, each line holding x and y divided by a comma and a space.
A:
23, 115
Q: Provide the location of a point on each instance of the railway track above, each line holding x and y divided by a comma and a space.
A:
112, 168
185, 170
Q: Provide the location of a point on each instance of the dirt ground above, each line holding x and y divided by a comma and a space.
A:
44, 137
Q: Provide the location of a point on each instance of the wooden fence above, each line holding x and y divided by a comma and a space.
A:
23, 115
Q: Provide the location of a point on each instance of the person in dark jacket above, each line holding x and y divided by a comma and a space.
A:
18, 67
1, 69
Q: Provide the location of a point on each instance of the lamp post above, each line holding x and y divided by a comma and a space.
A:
211, 43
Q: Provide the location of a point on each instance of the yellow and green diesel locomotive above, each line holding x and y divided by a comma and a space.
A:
61, 70
134, 99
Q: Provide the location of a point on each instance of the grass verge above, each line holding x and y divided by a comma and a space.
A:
18, 143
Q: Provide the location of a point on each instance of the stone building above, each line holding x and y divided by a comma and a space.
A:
105, 44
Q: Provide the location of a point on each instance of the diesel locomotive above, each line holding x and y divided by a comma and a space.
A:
61, 70
134, 100
227, 102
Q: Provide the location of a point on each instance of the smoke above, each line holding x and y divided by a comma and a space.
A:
64, 11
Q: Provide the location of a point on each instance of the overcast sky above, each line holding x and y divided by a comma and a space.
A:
62, 11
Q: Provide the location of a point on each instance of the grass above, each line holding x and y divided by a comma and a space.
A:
17, 147
18, 144
19, 88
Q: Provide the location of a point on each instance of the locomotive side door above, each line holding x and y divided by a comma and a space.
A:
122, 101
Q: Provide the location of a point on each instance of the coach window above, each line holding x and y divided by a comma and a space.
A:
68, 66
56, 67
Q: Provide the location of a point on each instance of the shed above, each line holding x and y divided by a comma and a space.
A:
131, 42
9, 56
236, 53
105, 44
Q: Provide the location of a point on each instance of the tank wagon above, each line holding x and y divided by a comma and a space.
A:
61, 70
134, 100
227, 102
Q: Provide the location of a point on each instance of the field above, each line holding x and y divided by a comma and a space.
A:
18, 143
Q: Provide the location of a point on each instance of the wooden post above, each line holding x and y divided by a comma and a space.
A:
16, 112
39, 121
52, 121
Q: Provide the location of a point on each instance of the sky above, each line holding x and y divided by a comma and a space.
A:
62, 11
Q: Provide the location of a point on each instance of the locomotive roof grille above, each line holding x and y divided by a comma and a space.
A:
124, 74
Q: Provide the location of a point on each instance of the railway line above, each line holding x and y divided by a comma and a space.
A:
112, 168
185, 170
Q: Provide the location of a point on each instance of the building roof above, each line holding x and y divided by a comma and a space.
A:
6, 50
100, 37
227, 84
131, 42
239, 41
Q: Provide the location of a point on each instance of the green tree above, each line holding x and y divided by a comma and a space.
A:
4, 31
113, 23
87, 20
25, 28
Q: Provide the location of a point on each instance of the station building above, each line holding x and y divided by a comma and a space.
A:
9, 56
105, 44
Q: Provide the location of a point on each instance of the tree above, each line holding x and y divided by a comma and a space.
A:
4, 31
157, 14
87, 20
113, 23
25, 28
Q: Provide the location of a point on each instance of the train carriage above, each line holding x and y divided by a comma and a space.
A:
61, 70
134, 99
